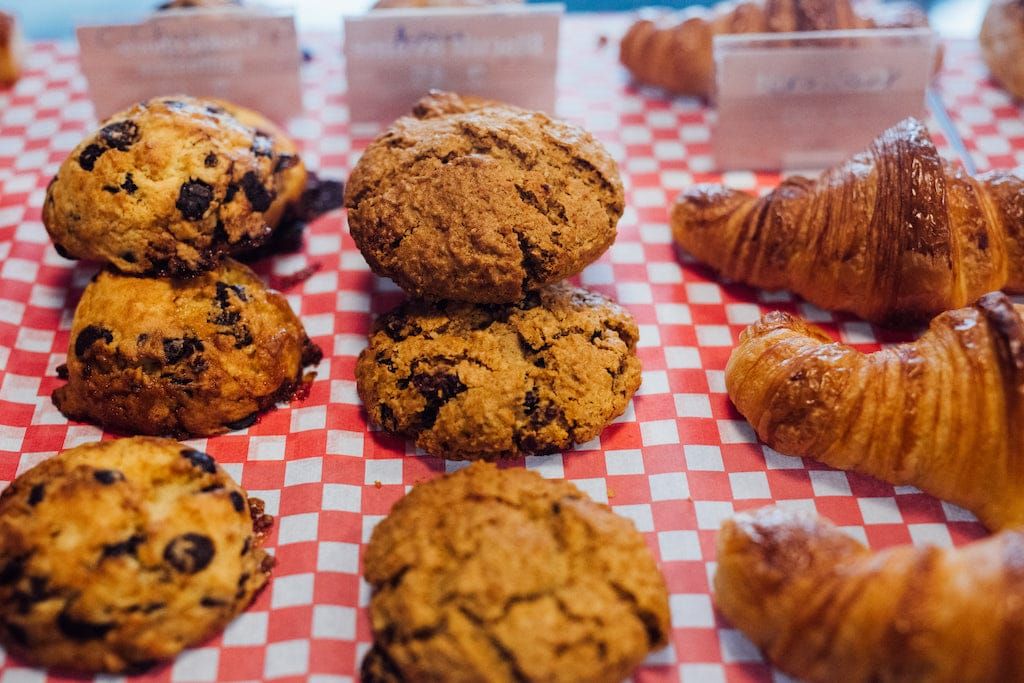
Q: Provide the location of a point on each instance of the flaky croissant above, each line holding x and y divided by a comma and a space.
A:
825, 608
674, 52
944, 413
10, 50
895, 234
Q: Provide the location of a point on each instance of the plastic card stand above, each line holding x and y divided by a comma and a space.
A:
246, 56
808, 100
502, 52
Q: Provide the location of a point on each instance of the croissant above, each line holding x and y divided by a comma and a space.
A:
674, 53
825, 608
895, 234
10, 50
944, 413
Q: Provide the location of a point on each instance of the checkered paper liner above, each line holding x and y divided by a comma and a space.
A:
678, 462
987, 117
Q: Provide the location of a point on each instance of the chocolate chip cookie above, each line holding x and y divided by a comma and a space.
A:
198, 356
479, 201
487, 381
119, 554
500, 575
171, 184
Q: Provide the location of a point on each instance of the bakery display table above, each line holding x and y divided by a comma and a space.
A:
677, 463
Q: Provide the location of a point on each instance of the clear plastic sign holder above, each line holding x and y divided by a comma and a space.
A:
393, 57
238, 54
808, 100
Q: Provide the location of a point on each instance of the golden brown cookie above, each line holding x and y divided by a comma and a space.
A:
182, 357
172, 184
494, 574
479, 201
487, 381
118, 554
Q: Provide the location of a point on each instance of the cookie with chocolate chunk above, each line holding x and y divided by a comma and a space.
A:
497, 575
170, 185
198, 356
488, 381
119, 554
472, 200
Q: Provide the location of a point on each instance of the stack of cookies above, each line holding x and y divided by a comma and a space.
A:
174, 337
120, 554
479, 210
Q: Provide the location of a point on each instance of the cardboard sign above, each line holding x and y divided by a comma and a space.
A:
809, 100
393, 57
247, 57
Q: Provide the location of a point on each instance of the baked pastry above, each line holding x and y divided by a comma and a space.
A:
501, 575
1002, 43
172, 184
119, 554
182, 357
479, 201
944, 413
472, 381
825, 608
674, 51
895, 234
10, 50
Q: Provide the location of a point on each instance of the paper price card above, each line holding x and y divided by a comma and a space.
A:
248, 57
808, 100
393, 57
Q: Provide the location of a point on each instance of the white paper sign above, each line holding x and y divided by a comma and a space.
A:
507, 53
248, 57
809, 100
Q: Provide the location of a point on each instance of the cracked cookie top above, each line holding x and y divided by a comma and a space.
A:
479, 201
182, 357
501, 575
116, 555
487, 381
172, 184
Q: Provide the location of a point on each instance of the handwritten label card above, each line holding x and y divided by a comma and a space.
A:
393, 57
248, 57
809, 100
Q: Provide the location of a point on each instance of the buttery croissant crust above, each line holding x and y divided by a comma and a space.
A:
944, 413
825, 608
895, 234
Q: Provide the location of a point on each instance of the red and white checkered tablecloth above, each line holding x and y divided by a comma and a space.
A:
677, 463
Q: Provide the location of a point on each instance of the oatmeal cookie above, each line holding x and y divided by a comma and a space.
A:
487, 381
494, 574
483, 202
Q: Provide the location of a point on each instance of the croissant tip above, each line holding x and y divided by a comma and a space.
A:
1006, 325
773, 321
993, 300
